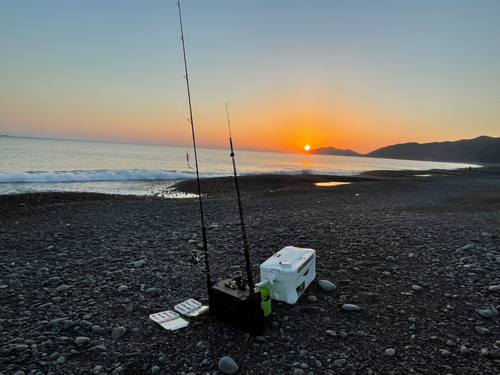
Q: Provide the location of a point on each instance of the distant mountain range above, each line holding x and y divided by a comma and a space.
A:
334, 151
478, 150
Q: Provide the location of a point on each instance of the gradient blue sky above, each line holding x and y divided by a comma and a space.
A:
349, 74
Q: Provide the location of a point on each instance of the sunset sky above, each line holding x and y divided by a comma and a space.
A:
349, 74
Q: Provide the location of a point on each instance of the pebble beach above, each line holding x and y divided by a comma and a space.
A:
407, 263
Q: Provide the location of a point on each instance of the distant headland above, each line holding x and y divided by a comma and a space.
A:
482, 149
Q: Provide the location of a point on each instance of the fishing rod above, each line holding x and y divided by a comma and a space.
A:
242, 220
203, 228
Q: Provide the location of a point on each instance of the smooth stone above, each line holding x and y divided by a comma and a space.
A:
122, 288
151, 290
97, 329
312, 298
349, 307
118, 332
298, 371
81, 340
69, 324
390, 259
61, 360
45, 306
416, 288
482, 331
390, 352
326, 285
62, 288
464, 350
139, 263
21, 347
260, 339
339, 362
343, 334
445, 353
487, 313
227, 365
57, 321
494, 288
469, 246
98, 349
155, 370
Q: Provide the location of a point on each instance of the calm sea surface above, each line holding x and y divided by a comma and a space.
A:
32, 165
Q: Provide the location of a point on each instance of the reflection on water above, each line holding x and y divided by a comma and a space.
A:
331, 183
422, 175
306, 161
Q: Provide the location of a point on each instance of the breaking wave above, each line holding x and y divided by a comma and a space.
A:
93, 175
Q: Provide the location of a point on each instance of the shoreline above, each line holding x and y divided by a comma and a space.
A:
65, 256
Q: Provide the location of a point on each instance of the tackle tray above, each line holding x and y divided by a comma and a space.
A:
164, 316
187, 306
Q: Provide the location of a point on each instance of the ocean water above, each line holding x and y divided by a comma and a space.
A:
34, 165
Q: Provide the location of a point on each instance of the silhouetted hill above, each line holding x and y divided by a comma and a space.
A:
333, 151
478, 150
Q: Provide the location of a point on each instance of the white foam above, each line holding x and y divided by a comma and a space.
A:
93, 175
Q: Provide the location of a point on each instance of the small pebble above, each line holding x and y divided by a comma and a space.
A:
349, 307
339, 362
390, 352
487, 313
62, 288
118, 332
312, 298
227, 365
81, 340
481, 330
122, 288
326, 285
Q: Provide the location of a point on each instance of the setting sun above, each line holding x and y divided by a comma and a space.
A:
306, 147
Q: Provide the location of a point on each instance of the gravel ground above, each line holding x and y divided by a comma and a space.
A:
419, 256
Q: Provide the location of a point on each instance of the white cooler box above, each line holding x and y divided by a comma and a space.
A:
288, 273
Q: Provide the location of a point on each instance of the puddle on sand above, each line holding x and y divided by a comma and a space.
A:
422, 175
331, 183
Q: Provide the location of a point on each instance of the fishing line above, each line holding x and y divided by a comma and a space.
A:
242, 220
203, 228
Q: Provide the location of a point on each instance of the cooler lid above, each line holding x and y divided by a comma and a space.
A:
288, 260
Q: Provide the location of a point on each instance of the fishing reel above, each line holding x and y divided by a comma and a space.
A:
196, 257
236, 281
